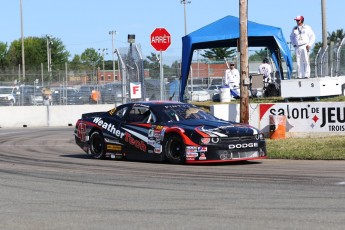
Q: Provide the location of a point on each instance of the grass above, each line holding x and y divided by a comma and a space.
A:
320, 148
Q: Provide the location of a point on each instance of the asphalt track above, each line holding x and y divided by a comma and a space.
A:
47, 182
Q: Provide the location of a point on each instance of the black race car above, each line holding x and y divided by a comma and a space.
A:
167, 131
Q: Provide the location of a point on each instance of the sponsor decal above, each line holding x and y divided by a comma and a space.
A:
190, 159
159, 127
82, 132
139, 144
192, 154
162, 134
151, 133
202, 157
141, 105
114, 147
157, 134
116, 156
151, 142
202, 149
158, 148
302, 117
108, 126
191, 149
243, 145
111, 112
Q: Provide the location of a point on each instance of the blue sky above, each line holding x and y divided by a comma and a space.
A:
82, 24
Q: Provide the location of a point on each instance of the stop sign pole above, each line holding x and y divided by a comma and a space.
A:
161, 40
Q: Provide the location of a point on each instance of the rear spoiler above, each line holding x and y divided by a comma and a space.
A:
94, 114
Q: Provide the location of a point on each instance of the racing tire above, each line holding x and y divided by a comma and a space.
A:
97, 145
175, 149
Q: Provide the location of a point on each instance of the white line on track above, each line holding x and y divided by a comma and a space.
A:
340, 183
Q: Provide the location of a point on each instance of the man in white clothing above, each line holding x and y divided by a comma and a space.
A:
302, 38
232, 79
265, 69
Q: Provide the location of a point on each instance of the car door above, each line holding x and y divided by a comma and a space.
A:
140, 136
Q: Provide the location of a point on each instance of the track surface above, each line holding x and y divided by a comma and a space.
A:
47, 182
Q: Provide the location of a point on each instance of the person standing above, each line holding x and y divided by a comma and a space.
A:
265, 69
232, 79
302, 38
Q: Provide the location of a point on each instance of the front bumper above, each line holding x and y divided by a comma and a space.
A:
226, 153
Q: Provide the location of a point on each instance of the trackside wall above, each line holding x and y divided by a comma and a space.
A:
38, 116
302, 119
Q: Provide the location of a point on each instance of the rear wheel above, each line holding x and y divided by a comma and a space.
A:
175, 149
97, 145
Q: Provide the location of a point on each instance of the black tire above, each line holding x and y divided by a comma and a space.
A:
175, 149
97, 145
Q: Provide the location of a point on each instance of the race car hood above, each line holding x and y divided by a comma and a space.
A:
226, 127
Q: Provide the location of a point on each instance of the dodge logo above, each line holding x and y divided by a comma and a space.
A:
243, 146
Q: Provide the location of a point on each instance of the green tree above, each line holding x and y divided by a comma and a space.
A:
335, 36
76, 63
90, 59
219, 53
152, 63
36, 54
259, 55
59, 53
3, 53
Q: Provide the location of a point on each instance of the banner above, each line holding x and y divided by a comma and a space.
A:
306, 117
135, 88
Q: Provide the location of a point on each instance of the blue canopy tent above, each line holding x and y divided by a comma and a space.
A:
226, 33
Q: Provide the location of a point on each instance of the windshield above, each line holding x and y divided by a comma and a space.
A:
195, 88
5, 90
186, 112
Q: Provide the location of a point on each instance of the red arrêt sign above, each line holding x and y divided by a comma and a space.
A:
160, 39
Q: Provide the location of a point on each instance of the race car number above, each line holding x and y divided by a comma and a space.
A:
82, 132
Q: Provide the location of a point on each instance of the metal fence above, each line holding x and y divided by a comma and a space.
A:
81, 87
330, 61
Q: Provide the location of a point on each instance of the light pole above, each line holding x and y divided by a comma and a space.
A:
184, 2
103, 52
49, 56
22, 37
113, 33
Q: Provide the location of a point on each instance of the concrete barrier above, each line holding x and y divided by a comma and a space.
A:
302, 119
40, 116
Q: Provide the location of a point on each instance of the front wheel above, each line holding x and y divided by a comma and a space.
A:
97, 145
175, 149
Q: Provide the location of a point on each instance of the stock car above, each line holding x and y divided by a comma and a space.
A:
176, 132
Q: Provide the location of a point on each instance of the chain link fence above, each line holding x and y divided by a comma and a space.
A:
329, 61
102, 86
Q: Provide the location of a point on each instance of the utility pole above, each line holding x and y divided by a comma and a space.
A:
103, 52
324, 24
49, 56
113, 33
244, 79
184, 2
22, 37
